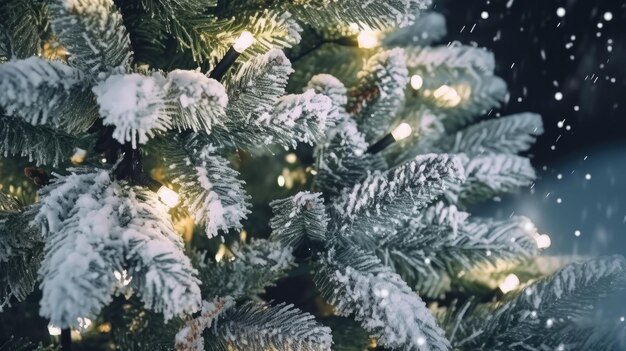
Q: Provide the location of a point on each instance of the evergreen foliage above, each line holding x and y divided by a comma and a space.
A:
367, 235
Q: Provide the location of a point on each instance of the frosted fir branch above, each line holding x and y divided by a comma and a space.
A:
504, 135
544, 314
299, 220
406, 188
200, 101
443, 242
94, 227
93, 32
299, 117
330, 86
210, 189
40, 144
256, 86
389, 14
271, 28
430, 26
21, 252
380, 93
46, 93
134, 104
259, 327
465, 69
357, 284
189, 338
491, 175
254, 267
19, 28
162, 275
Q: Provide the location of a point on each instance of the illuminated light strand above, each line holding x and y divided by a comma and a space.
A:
401, 132
241, 44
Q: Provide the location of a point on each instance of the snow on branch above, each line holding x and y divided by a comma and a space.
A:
460, 80
201, 101
189, 338
46, 92
19, 28
379, 96
504, 135
491, 175
40, 144
93, 227
21, 251
357, 284
209, 187
442, 242
93, 32
299, 220
259, 327
406, 188
388, 14
544, 315
135, 105
255, 267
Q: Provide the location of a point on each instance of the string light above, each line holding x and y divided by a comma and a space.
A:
79, 156
221, 252
53, 330
401, 132
543, 241
367, 39
245, 40
281, 181
291, 158
241, 44
447, 96
510, 283
417, 82
168, 196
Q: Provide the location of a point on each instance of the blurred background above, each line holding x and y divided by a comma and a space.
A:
566, 60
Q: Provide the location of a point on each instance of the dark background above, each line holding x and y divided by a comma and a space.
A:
579, 198
518, 30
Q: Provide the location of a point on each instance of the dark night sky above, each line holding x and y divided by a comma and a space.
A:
517, 31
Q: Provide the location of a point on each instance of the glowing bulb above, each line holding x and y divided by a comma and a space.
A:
84, 323
79, 156
417, 81
219, 255
510, 283
291, 158
402, 131
122, 277
367, 39
543, 241
281, 181
168, 196
243, 42
447, 95
54, 330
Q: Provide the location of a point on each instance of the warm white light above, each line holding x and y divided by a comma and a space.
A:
291, 158
543, 241
84, 323
122, 277
402, 131
447, 95
281, 181
367, 39
79, 156
510, 283
221, 252
168, 196
54, 330
243, 42
417, 81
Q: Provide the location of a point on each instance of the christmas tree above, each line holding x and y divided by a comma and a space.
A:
269, 175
